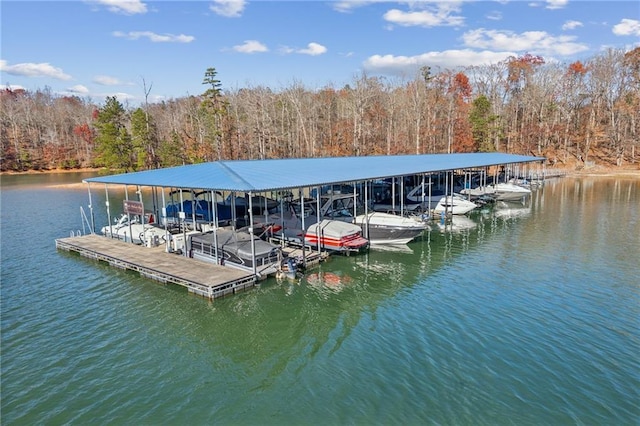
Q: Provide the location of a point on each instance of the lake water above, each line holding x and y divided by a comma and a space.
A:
524, 315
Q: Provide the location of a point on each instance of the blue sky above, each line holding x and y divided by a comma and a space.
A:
104, 48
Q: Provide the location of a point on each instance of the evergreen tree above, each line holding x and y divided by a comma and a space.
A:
481, 123
213, 108
113, 142
170, 152
143, 138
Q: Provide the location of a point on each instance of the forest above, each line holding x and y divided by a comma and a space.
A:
573, 114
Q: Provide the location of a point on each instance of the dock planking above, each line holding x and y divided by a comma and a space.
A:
202, 278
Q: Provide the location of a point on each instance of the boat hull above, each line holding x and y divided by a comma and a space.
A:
378, 234
383, 228
510, 193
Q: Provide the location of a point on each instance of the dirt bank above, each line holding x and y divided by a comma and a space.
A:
633, 171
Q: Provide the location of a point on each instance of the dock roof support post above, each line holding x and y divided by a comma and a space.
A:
234, 217
93, 224
253, 241
106, 203
304, 230
365, 221
126, 197
266, 210
430, 185
194, 208
402, 196
284, 238
318, 213
422, 193
139, 192
393, 194
318, 191
214, 204
164, 220
355, 199
183, 224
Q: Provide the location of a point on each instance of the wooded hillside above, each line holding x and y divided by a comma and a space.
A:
571, 114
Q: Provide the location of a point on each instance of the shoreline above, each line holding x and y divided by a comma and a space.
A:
602, 171
51, 171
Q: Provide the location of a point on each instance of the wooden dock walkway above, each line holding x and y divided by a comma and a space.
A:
199, 277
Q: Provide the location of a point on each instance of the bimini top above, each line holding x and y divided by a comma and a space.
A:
268, 175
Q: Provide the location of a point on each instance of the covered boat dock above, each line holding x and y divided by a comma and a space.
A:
252, 178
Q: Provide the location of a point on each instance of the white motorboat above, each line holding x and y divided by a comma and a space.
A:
509, 191
505, 191
478, 192
438, 202
131, 229
386, 228
454, 204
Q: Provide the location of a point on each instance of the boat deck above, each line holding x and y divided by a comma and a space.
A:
202, 278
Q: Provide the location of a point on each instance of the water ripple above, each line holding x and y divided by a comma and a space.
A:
501, 323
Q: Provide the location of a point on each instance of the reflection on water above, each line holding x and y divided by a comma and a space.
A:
40, 180
332, 281
456, 223
509, 210
397, 248
518, 313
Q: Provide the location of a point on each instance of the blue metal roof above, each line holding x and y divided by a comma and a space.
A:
269, 175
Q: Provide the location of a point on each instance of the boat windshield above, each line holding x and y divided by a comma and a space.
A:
309, 208
340, 207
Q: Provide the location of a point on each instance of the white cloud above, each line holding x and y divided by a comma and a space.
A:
251, 46
556, 4
313, 49
156, 38
34, 70
627, 27
409, 65
82, 91
228, 8
105, 80
120, 96
571, 25
12, 87
423, 18
348, 5
127, 7
79, 89
529, 41
495, 16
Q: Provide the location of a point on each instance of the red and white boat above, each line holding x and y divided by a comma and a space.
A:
297, 223
336, 235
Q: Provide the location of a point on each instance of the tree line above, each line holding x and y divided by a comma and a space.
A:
571, 114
